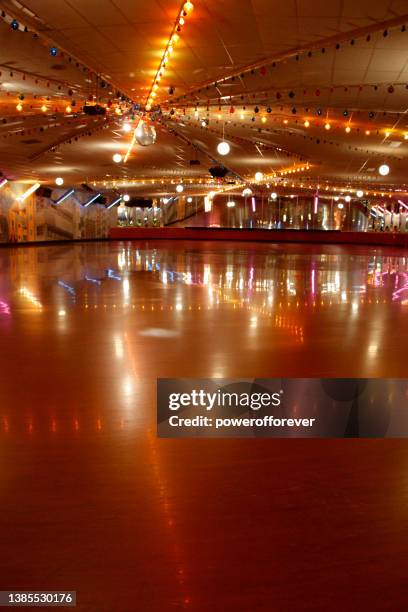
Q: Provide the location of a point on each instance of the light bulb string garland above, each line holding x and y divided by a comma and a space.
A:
185, 9
262, 97
306, 50
16, 24
28, 131
313, 121
74, 136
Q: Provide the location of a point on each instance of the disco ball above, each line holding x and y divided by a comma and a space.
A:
145, 134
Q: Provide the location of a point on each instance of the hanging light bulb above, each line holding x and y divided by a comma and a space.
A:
179, 188
44, 108
126, 197
384, 169
181, 21
117, 158
274, 196
359, 193
348, 129
230, 204
19, 107
68, 109
59, 181
188, 7
347, 198
223, 148
327, 126
258, 176
306, 123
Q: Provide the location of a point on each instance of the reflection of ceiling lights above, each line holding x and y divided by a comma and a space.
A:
384, 169
117, 158
223, 148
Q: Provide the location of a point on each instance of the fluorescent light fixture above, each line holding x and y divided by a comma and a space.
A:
89, 202
64, 196
316, 203
402, 204
3, 182
114, 202
29, 191
253, 202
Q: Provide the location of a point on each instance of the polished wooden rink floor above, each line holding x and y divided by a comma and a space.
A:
92, 501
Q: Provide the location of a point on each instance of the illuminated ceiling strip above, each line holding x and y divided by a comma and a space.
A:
114, 203
29, 191
3, 182
64, 196
93, 198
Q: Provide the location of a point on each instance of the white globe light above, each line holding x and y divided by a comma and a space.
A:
223, 148
165, 200
126, 127
274, 196
247, 192
258, 176
384, 169
230, 204
117, 158
347, 198
189, 200
59, 181
126, 197
340, 205
359, 193
179, 188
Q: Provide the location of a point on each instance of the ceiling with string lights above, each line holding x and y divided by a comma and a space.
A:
227, 92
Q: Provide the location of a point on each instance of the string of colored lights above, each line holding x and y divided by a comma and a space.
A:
185, 10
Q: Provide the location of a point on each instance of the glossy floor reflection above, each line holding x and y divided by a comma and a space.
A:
90, 499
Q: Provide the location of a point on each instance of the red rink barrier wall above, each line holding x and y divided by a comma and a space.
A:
258, 235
